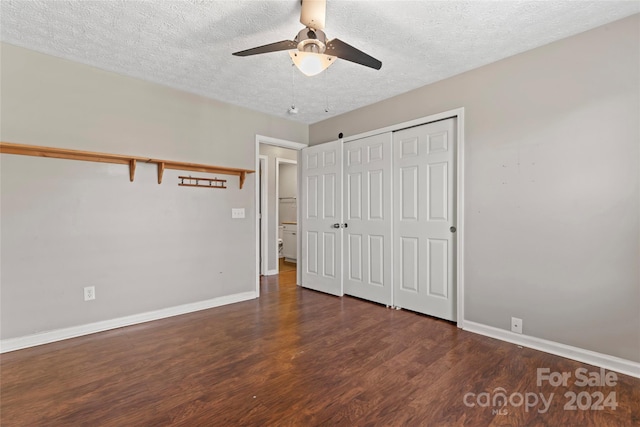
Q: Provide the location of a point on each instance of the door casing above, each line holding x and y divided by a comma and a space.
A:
261, 139
262, 206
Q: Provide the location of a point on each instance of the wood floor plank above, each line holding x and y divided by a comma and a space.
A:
293, 357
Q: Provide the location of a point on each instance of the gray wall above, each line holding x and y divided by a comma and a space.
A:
552, 185
69, 224
274, 153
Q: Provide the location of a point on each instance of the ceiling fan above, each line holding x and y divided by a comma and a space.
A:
310, 50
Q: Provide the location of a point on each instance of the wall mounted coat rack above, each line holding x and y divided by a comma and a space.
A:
90, 156
193, 181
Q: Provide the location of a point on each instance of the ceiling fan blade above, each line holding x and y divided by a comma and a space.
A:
347, 52
313, 13
272, 47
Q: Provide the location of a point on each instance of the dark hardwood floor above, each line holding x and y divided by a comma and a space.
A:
285, 266
295, 357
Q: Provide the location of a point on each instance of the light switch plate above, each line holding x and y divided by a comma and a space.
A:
237, 212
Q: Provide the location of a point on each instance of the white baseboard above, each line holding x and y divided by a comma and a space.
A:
606, 361
12, 344
271, 272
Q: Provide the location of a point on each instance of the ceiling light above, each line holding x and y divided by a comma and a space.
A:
308, 47
310, 63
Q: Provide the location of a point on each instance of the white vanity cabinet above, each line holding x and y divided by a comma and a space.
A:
289, 241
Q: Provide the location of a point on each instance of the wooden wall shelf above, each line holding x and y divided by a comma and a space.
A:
90, 156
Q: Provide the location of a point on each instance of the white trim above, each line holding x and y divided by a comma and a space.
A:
271, 272
267, 140
12, 344
459, 114
257, 225
612, 363
456, 112
299, 260
260, 139
263, 162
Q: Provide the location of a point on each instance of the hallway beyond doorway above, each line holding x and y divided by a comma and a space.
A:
285, 266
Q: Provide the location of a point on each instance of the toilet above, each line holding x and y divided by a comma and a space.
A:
280, 234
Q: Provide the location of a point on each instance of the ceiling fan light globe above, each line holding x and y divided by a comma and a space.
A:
311, 64
313, 46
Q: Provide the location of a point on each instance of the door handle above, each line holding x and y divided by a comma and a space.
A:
452, 229
336, 225
345, 225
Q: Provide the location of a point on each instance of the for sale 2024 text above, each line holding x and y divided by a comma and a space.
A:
582, 377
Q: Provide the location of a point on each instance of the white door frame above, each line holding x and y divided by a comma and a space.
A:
280, 160
261, 139
264, 206
458, 113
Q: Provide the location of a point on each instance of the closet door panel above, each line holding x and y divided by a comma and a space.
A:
321, 250
367, 244
424, 240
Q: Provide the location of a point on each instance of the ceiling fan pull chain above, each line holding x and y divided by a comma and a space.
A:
293, 85
326, 94
293, 109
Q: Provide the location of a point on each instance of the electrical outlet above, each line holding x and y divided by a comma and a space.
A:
89, 293
237, 213
516, 325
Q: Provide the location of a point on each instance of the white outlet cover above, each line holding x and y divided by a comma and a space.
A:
516, 325
237, 213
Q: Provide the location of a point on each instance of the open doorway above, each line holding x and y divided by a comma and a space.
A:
277, 210
286, 187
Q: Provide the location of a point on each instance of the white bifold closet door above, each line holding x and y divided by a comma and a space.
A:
367, 217
425, 219
394, 231
321, 194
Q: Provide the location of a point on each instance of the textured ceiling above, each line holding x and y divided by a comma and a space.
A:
188, 44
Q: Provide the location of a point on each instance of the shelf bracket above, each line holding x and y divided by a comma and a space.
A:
243, 175
160, 171
132, 169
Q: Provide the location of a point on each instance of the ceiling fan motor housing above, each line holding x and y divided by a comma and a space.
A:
313, 41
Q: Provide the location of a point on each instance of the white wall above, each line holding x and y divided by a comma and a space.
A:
273, 153
552, 202
69, 224
288, 187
